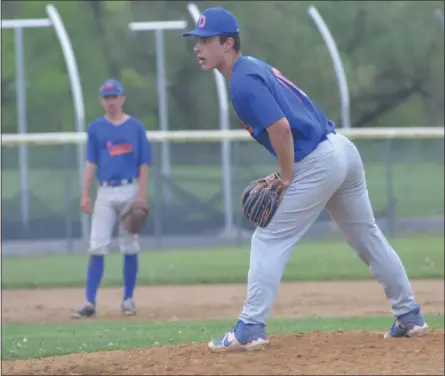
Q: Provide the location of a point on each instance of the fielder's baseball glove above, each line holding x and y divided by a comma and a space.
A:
134, 218
261, 199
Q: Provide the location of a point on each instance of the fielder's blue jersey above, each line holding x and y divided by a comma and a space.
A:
261, 95
118, 151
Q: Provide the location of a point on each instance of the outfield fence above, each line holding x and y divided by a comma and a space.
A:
191, 206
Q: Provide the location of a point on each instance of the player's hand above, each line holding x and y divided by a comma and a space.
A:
86, 205
286, 182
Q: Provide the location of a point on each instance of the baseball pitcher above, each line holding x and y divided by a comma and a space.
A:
119, 153
318, 169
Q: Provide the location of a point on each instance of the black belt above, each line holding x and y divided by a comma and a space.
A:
115, 182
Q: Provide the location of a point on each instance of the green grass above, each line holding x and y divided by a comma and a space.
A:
334, 260
21, 341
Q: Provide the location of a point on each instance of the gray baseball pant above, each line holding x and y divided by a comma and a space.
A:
332, 177
111, 202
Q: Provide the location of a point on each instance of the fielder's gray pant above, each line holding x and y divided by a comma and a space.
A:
112, 202
332, 178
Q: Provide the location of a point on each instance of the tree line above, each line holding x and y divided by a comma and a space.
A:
392, 52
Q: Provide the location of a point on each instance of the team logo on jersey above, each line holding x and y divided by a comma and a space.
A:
119, 149
288, 83
202, 21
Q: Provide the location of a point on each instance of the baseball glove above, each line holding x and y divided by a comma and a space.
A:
261, 199
134, 218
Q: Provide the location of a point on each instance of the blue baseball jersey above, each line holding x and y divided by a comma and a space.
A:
262, 95
118, 151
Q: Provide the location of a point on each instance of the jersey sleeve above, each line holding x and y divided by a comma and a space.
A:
145, 155
254, 103
92, 146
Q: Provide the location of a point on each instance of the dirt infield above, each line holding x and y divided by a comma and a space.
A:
206, 302
301, 354
315, 353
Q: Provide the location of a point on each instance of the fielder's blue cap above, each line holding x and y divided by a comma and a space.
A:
214, 21
111, 87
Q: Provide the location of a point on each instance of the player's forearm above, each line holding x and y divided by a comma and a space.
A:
90, 169
281, 139
143, 179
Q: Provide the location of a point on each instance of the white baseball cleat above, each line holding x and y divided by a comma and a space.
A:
411, 324
243, 337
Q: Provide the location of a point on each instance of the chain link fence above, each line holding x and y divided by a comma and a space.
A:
405, 181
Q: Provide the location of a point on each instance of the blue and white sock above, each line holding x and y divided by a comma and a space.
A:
130, 271
94, 276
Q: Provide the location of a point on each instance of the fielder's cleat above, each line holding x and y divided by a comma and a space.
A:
87, 310
243, 337
411, 324
128, 307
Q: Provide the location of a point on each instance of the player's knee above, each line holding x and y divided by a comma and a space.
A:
129, 244
268, 258
99, 245
264, 272
98, 251
130, 250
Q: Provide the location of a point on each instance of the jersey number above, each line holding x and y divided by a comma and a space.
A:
286, 82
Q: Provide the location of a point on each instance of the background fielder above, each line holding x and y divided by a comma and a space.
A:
319, 169
119, 152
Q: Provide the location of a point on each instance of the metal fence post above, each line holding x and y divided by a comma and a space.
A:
68, 211
77, 94
159, 27
22, 126
163, 111
54, 20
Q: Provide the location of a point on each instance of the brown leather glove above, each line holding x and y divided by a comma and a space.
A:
134, 218
261, 199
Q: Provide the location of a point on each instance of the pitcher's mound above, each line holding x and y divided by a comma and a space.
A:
338, 353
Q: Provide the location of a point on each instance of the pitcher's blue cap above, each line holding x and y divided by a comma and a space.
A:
214, 21
111, 87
